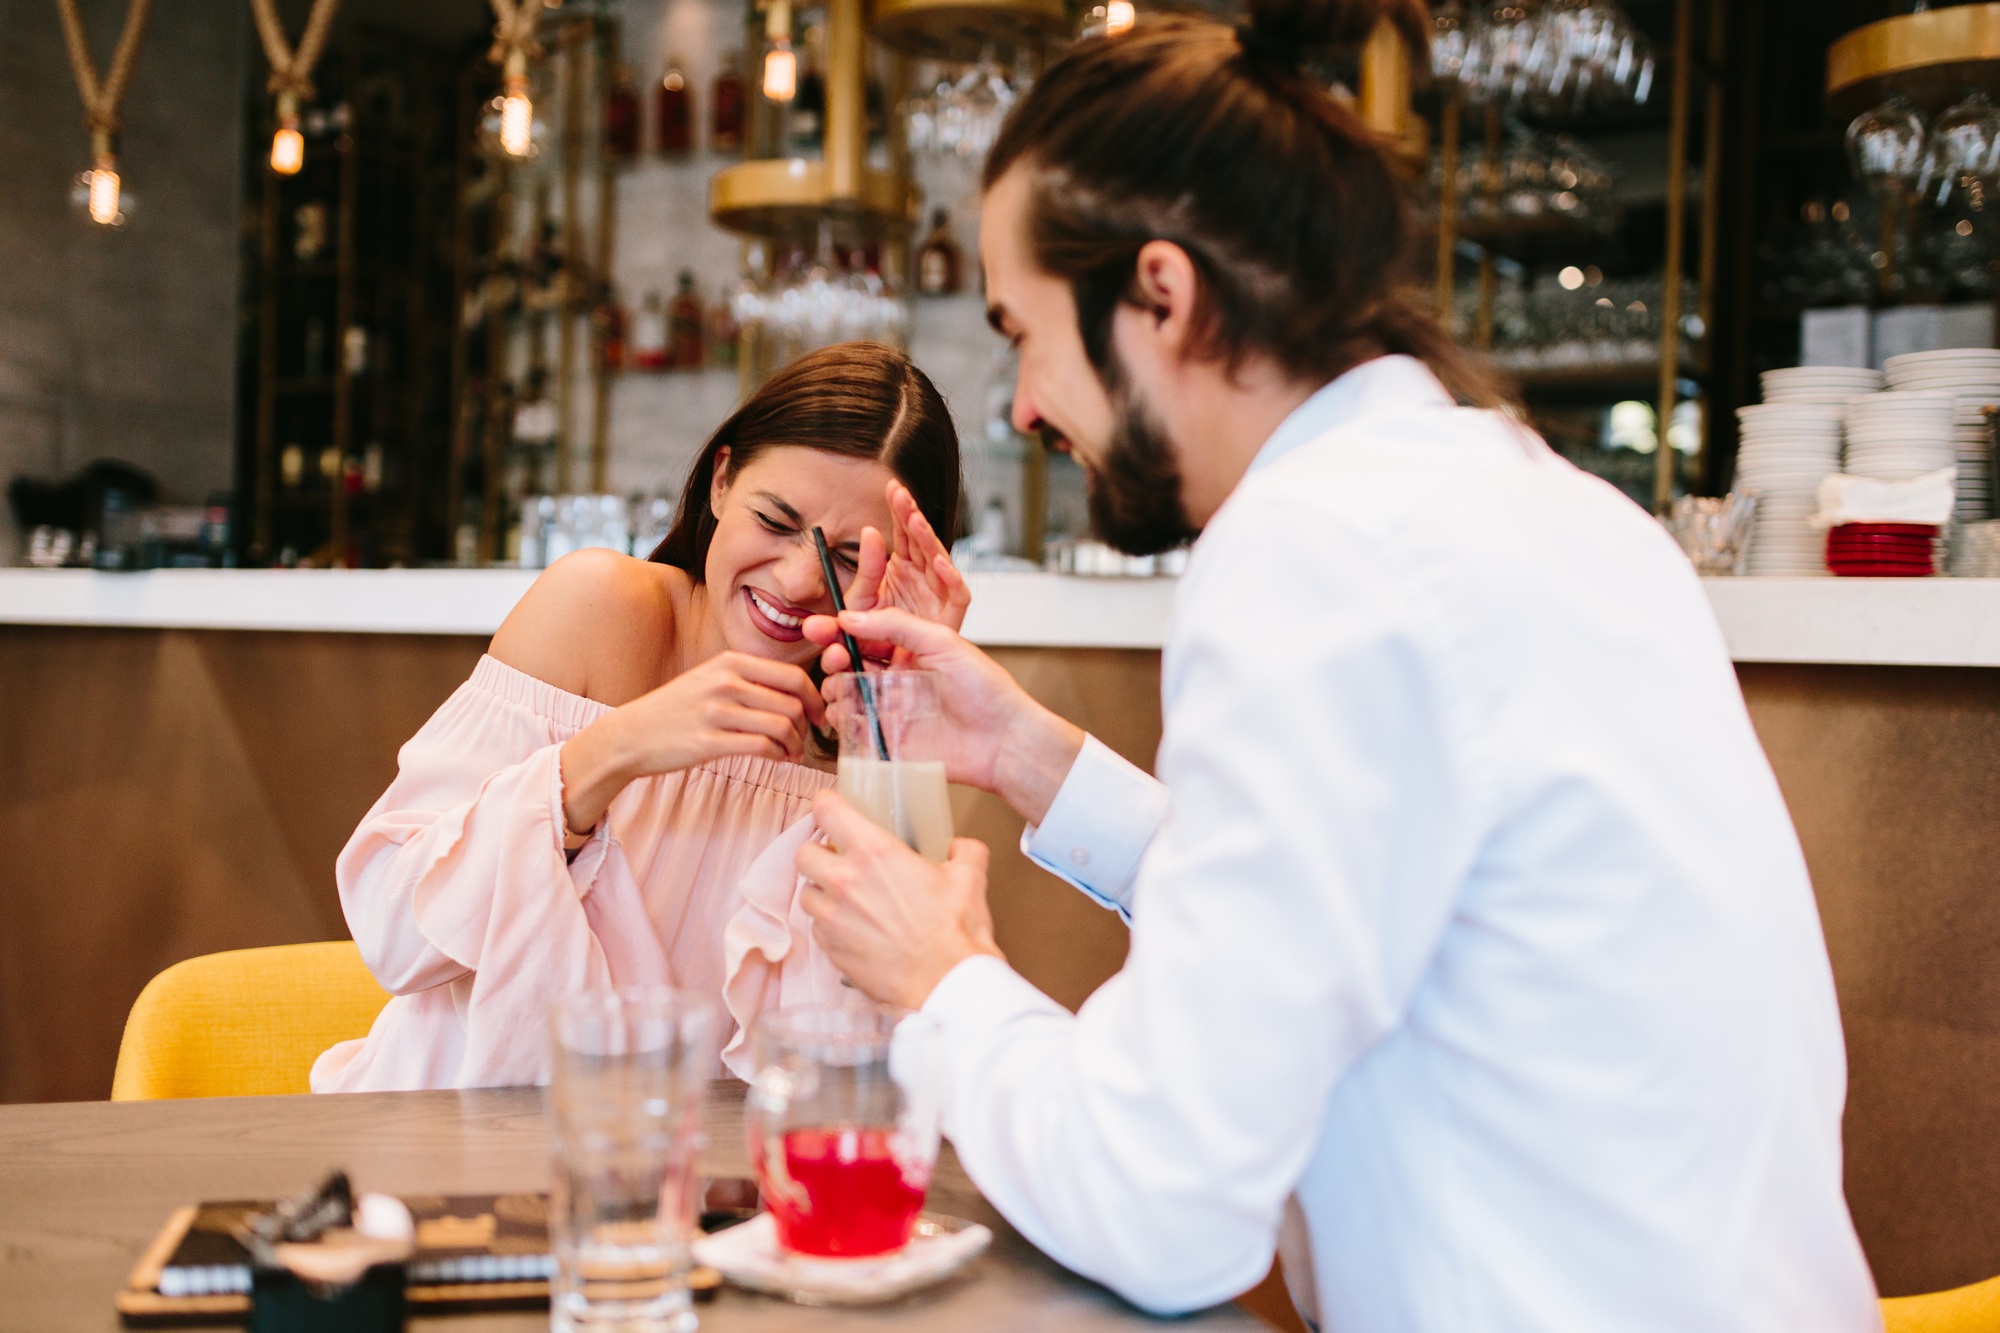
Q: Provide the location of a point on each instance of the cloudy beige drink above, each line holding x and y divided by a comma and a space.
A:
905, 796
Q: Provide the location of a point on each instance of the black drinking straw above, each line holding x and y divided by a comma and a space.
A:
853, 648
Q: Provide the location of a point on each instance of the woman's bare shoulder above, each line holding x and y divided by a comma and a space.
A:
596, 623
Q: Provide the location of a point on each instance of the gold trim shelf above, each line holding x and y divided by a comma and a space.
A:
1928, 58
959, 30
788, 198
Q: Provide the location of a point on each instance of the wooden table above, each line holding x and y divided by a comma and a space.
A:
85, 1185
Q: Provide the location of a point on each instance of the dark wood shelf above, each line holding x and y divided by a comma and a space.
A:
1597, 384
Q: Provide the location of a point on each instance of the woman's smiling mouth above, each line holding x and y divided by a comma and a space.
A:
777, 620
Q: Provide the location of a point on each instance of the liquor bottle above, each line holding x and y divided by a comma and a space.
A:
649, 334
607, 326
808, 112
621, 116
673, 112
315, 348
309, 234
725, 106
684, 326
723, 332
938, 263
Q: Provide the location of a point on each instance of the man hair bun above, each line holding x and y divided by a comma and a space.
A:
1308, 25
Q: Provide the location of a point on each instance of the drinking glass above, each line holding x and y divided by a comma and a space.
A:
1885, 147
1964, 146
630, 1070
842, 1118
891, 756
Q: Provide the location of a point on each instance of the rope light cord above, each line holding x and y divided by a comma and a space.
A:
515, 31
291, 71
100, 100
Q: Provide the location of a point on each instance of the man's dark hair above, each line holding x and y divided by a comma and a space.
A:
1213, 137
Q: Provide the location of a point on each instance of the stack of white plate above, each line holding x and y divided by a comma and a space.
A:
1973, 551
1898, 435
1783, 451
1973, 446
1972, 376
1830, 386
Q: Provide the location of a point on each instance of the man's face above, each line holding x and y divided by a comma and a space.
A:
1106, 422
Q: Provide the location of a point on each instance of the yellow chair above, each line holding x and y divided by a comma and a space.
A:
247, 1023
1973, 1309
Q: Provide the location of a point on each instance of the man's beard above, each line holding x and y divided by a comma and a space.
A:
1135, 493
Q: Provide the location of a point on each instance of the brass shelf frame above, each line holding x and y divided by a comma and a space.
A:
1928, 58
959, 30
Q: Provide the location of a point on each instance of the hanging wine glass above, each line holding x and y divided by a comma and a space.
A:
1885, 148
1964, 147
1450, 39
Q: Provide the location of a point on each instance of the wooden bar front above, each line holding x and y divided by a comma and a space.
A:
169, 793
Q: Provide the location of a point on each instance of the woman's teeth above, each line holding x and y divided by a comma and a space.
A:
774, 614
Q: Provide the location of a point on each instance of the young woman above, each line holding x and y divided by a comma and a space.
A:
615, 796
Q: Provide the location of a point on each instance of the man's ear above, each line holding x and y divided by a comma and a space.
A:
718, 482
1166, 286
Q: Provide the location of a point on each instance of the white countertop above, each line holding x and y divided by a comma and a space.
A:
1911, 622
1008, 610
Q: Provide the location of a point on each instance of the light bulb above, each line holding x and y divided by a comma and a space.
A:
104, 195
1119, 16
517, 120
288, 146
288, 150
781, 74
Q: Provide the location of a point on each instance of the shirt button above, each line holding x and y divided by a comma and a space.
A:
1078, 857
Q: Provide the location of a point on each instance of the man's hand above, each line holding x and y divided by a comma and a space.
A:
892, 922
995, 736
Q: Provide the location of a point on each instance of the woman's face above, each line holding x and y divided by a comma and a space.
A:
763, 572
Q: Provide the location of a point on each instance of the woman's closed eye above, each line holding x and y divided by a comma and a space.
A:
778, 527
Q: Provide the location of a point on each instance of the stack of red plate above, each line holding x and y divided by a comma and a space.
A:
1882, 550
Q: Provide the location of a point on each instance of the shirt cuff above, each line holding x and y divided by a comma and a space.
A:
972, 1005
1098, 826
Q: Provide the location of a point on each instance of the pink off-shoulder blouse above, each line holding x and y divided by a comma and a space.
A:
469, 913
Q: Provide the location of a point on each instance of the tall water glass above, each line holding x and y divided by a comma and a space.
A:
630, 1070
843, 1124
891, 757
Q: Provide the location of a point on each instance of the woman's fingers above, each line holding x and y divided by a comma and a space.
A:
869, 586
756, 723
785, 677
949, 587
902, 506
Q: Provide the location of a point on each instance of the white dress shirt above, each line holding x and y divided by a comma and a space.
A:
1475, 921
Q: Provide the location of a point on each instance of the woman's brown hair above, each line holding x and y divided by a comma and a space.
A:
1215, 138
858, 400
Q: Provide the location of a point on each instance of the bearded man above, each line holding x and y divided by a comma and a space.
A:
1473, 954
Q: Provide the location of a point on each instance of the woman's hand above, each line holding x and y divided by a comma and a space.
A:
911, 572
732, 704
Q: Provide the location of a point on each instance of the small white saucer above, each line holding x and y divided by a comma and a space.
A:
747, 1255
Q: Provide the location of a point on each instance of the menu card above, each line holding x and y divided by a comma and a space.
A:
483, 1251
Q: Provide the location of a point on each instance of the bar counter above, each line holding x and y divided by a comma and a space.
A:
1888, 622
184, 752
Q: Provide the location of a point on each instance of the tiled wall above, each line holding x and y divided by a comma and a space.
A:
120, 344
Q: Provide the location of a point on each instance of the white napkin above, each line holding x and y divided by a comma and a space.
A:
749, 1256
1926, 499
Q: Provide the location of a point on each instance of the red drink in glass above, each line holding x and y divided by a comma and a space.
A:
850, 1198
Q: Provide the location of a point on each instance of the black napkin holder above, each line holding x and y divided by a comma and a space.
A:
283, 1302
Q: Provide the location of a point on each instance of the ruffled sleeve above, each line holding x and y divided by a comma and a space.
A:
458, 891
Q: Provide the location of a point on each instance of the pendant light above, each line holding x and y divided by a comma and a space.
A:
100, 191
291, 75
